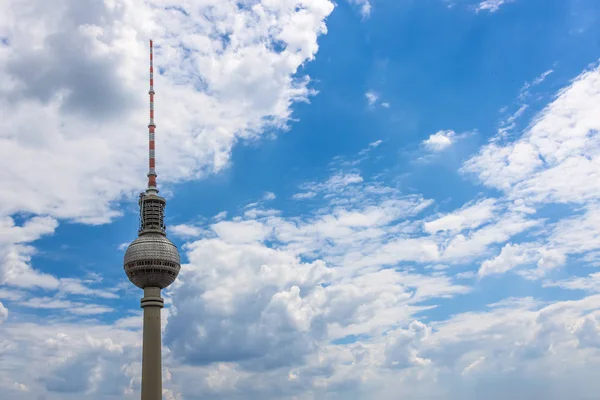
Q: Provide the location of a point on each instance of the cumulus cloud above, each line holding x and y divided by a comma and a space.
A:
79, 359
552, 161
401, 351
16, 252
266, 292
185, 230
590, 283
241, 231
78, 308
576, 234
468, 217
415, 359
440, 140
88, 91
475, 243
253, 305
424, 361
511, 256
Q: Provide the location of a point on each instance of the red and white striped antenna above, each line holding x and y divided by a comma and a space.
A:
151, 128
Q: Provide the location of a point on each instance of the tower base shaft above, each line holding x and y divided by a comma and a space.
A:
151, 353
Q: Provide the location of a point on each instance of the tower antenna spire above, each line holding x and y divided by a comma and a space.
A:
151, 129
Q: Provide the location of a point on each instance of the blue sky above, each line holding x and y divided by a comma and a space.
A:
373, 199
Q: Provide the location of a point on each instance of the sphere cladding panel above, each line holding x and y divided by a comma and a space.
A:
152, 260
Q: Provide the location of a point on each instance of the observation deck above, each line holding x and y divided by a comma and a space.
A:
152, 260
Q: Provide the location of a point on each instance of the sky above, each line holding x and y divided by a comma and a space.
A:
373, 199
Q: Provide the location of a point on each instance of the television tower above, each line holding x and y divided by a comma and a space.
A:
152, 263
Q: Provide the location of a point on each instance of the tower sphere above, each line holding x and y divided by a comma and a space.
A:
152, 260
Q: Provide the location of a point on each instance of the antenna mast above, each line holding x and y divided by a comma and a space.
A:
151, 128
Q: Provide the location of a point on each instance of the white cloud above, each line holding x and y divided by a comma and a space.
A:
372, 98
440, 140
517, 341
335, 184
341, 180
548, 260
469, 217
401, 351
478, 242
305, 195
100, 361
265, 301
269, 196
553, 160
261, 291
403, 361
473, 366
466, 275
510, 123
362, 228
241, 232
239, 86
77, 308
16, 252
15, 261
542, 77
491, 5
220, 216
365, 7
590, 283
3, 313
525, 90
511, 256
74, 286
11, 294
578, 234
185, 230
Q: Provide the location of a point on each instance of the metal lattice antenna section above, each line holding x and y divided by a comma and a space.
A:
151, 129
152, 206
